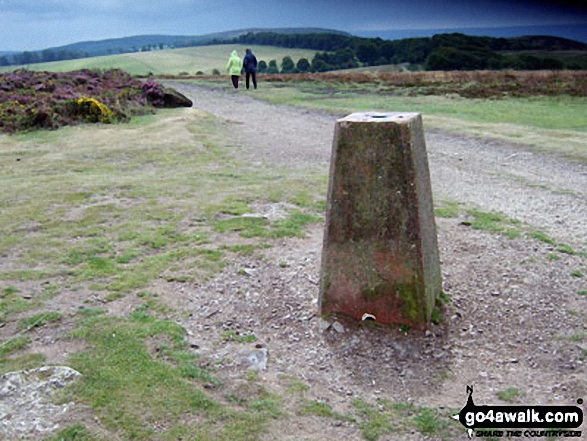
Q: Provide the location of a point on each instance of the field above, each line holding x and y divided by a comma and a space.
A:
158, 257
535, 109
171, 61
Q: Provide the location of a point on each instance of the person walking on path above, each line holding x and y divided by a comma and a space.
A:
234, 67
250, 66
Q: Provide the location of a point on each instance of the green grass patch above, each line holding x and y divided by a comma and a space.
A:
248, 227
374, 422
245, 226
230, 335
543, 237
294, 385
11, 302
321, 409
124, 384
566, 249
509, 395
388, 417
577, 273
448, 209
494, 222
139, 373
14, 344
578, 336
75, 432
241, 249
582, 292
11, 361
39, 320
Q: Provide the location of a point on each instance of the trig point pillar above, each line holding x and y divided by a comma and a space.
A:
380, 252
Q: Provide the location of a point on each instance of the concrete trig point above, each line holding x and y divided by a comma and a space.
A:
380, 253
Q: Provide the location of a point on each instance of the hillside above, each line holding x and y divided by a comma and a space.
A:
139, 43
335, 51
171, 61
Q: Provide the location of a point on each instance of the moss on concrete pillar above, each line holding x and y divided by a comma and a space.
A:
380, 252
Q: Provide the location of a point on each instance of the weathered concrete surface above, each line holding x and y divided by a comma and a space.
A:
380, 252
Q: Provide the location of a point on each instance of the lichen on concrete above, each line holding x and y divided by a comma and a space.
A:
380, 253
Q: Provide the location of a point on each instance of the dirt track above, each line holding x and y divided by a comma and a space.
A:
514, 309
543, 191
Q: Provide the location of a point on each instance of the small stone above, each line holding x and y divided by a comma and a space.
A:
338, 327
324, 325
255, 360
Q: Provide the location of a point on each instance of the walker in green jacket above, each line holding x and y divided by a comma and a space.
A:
235, 64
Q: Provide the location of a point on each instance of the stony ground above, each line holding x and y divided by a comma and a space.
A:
516, 319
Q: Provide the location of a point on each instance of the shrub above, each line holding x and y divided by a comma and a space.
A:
32, 100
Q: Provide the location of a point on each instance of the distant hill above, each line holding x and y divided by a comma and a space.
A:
577, 32
148, 42
332, 50
188, 60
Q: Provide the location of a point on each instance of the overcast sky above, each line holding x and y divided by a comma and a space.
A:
39, 24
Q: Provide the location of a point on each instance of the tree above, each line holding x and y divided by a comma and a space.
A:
367, 52
287, 65
343, 59
262, 66
215, 72
319, 65
303, 65
272, 68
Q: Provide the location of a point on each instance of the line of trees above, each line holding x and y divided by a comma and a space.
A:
441, 52
44, 56
336, 51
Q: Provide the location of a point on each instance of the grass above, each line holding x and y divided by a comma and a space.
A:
131, 389
322, 409
386, 417
120, 217
75, 432
172, 61
105, 212
539, 122
112, 211
39, 320
249, 227
495, 222
509, 395
11, 361
230, 335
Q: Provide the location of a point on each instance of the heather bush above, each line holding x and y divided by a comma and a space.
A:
31, 100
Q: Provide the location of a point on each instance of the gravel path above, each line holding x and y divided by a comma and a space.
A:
543, 191
517, 318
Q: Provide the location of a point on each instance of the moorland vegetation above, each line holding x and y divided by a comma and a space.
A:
48, 100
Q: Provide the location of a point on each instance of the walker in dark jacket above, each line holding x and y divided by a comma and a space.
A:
250, 66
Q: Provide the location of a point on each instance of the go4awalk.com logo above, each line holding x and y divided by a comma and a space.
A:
520, 421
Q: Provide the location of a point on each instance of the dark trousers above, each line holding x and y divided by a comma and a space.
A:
252, 75
234, 79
